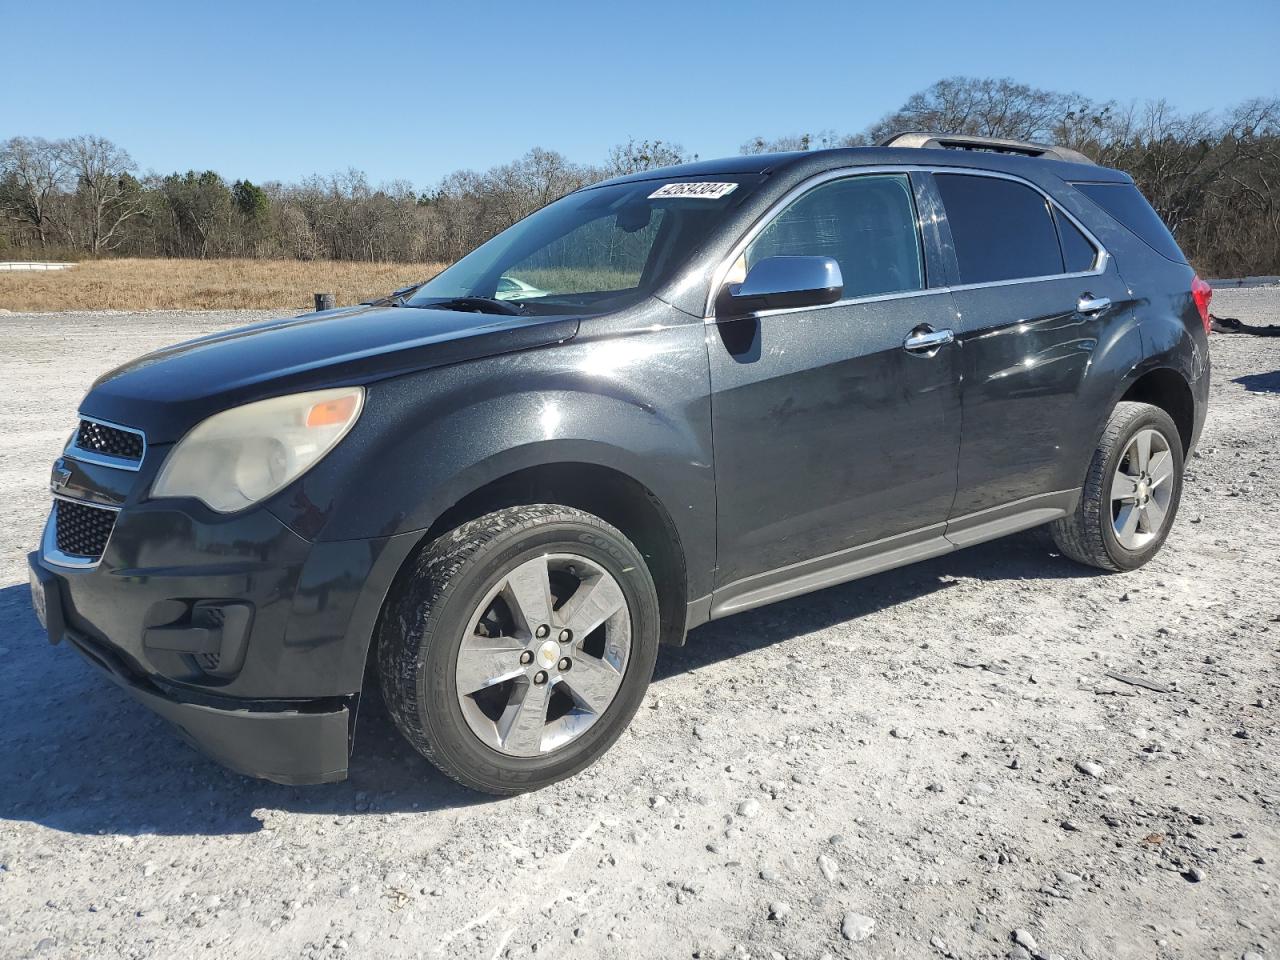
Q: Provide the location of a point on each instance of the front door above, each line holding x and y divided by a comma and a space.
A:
829, 432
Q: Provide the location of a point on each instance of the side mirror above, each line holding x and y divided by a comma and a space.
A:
781, 283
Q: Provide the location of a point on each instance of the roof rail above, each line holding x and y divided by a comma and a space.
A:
959, 141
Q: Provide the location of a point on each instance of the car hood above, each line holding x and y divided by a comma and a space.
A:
167, 392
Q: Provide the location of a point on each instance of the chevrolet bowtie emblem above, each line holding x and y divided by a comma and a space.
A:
60, 478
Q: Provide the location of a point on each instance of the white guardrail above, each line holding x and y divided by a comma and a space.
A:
33, 265
1245, 282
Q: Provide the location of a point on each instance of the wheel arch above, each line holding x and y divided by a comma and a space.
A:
610, 494
1167, 389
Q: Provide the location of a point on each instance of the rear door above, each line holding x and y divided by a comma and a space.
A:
829, 433
1034, 293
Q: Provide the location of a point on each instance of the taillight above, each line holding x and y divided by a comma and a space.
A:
1202, 293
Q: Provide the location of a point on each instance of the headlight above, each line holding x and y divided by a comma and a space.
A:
245, 454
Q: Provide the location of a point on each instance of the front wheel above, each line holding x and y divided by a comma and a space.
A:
516, 649
1131, 494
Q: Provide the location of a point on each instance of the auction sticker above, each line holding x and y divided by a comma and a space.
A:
699, 191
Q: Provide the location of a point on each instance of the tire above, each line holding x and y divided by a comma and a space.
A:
1095, 533
430, 642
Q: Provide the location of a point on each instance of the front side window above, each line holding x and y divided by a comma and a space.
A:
866, 224
1002, 230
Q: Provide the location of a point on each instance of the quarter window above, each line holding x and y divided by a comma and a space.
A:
1078, 254
866, 224
1126, 204
1002, 230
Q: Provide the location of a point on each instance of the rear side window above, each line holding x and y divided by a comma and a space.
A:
1002, 230
1124, 202
866, 224
1078, 254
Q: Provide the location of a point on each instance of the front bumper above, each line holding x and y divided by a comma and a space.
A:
283, 707
293, 743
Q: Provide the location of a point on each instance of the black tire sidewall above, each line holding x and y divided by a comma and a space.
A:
1151, 418
440, 713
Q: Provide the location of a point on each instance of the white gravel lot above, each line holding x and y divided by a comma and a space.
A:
928, 763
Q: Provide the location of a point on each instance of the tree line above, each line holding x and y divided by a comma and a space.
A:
1214, 177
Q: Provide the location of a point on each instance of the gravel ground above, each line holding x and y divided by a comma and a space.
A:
930, 762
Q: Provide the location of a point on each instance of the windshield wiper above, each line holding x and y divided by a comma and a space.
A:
395, 298
508, 308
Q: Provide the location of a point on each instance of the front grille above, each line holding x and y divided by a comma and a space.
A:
109, 441
81, 530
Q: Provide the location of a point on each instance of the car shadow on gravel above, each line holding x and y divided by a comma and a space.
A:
1021, 556
1260, 382
81, 757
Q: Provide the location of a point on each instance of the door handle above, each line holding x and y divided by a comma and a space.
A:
1088, 303
925, 341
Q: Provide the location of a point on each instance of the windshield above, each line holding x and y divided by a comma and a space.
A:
593, 251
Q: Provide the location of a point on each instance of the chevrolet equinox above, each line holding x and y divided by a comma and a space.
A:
659, 400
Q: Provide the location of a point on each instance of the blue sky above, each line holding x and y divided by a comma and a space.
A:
414, 90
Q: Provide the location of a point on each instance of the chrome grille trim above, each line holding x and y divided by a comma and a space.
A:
49, 551
85, 455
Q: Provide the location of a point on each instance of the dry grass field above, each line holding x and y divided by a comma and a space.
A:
203, 284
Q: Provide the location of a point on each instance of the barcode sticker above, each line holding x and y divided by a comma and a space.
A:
699, 191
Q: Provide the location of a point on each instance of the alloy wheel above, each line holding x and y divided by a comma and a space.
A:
1142, 489
544, 655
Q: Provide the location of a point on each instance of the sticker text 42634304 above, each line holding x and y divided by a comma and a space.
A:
693, 191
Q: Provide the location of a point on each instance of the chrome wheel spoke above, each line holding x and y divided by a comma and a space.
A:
529, 589
1154, 514
593, 683
1127, 522
594, 602
524, 721
485, 662
1124, 487
1161, 468
1142, 446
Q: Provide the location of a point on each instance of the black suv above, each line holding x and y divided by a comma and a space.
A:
660, 400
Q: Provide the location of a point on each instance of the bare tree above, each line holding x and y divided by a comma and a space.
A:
984, 107
1215, 178
106, 190
636, 156
1173, 157
33, 175
822, 140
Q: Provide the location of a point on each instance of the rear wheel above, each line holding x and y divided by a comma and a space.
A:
1131, 494
518, 647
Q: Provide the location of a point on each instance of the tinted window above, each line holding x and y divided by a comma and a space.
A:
1126, 204
1002, 230
866, 224
1078, 254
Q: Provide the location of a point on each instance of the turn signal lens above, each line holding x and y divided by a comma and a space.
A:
1202, 293
332, 412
